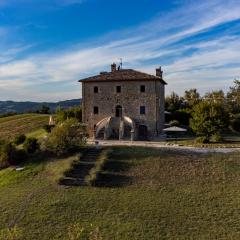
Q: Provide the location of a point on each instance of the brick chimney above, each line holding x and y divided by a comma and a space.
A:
159, 72
113, 67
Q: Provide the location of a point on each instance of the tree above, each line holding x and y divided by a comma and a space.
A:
215, 97
173, 102
72, 112
233, 98
192, 97
208, 118
66, 136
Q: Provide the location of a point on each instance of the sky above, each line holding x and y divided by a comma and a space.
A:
46, 46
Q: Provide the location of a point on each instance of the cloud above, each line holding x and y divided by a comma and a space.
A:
184, 41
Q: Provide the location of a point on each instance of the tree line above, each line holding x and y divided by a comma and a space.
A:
207, 116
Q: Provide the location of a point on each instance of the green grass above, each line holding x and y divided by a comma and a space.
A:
21, 124
142, 194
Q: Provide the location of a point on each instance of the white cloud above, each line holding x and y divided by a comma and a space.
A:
160, 40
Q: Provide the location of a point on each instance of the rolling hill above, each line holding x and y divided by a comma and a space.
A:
23, 107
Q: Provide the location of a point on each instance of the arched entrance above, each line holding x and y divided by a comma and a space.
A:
118, 111
142, 132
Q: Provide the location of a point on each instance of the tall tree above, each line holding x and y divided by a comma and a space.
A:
173, 102
192, 97
216, 97
208, 118
233, 98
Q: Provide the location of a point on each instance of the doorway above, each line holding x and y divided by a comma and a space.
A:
142, 132
118, 112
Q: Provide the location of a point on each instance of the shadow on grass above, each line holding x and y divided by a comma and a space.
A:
111, 180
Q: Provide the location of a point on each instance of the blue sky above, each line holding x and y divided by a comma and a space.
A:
47, 45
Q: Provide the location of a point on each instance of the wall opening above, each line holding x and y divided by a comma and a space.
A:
118, 112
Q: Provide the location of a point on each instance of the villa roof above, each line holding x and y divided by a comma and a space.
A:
122, 75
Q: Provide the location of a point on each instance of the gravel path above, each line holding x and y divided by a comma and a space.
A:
168, 147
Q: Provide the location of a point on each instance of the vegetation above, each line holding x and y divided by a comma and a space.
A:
31, 145
19, 139
208, 115
72, 112
65, 137
207, 119
143, 194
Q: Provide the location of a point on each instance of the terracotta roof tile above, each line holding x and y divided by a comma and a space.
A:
122, 75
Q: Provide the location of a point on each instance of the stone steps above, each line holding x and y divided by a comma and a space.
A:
80, 169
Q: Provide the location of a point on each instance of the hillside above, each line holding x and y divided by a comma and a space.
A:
144, 194
23, 107
21, 124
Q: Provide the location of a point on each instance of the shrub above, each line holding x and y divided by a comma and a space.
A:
31, 145
65, 137
174, 123
19, 139
216, 138
235, 123
202, 139
48, 128
7, 155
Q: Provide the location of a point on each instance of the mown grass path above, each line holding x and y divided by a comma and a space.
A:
143, 193
21, 124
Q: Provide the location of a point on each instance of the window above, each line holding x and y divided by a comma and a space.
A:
95, 110
118, 89
142, 88
142, 110
95, 89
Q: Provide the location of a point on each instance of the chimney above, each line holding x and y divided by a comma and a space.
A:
159, 72
113, 67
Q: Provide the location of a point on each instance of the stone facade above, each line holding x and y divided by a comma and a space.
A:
124, 98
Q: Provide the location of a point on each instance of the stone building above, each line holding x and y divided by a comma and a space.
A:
124, 104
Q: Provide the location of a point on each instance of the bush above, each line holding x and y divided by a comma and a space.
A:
31, 145
19, 139
65, 137
202, 139
174, 123
48, 128
235, 123
216, 138
7, 155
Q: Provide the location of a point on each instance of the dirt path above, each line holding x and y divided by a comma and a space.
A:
161, 145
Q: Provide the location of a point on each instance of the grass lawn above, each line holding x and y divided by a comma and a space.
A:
230, 141
142, 193
21, 124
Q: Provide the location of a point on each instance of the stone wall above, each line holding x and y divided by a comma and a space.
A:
130, 98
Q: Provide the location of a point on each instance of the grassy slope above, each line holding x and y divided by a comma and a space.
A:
24, 123
151, 194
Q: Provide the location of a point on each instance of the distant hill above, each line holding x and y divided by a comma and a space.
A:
23, 107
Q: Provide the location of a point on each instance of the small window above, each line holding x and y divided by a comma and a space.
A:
95, 89
118, 89
142, 110
142, 88
95, 110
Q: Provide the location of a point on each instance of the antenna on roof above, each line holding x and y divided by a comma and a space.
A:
121, 63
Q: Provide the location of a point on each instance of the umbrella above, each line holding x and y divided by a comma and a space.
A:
174, 129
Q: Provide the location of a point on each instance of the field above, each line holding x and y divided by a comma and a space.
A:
21, 124
143, 193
